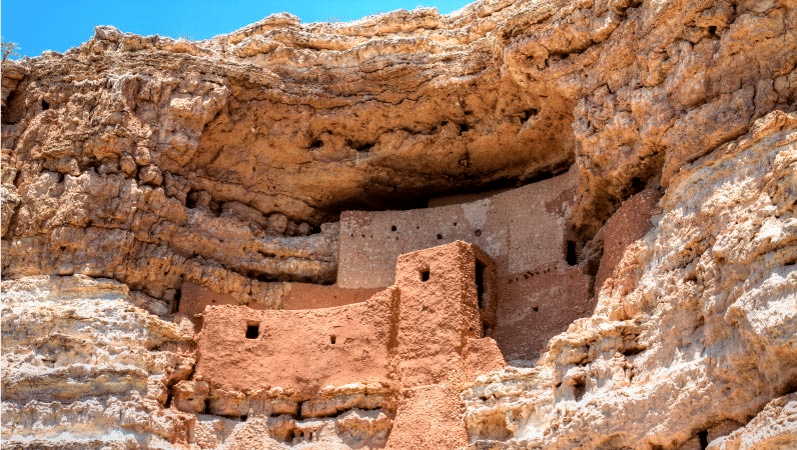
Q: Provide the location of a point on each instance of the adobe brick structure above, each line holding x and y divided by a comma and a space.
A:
630, 222
539, 292
195, 298
521, 229
420, 338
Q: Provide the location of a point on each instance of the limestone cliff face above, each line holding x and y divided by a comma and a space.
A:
694, 330
133, 164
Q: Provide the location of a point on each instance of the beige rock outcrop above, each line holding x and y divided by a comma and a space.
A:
82, 365
695, 328
774, 427
132, 165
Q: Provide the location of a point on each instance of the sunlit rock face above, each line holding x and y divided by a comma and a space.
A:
694, 331
132, 165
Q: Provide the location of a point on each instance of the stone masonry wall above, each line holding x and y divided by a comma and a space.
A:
521, 229
539, 292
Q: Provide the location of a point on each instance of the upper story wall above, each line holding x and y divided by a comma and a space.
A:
520, 229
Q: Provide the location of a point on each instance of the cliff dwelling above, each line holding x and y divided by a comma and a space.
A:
424, 299
523, 225
538, 292
423, 335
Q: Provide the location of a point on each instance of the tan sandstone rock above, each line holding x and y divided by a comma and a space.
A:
134, 166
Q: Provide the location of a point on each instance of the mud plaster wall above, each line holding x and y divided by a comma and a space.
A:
537, 305
304, 350
312, 296
194, 298
520, 229
630, 222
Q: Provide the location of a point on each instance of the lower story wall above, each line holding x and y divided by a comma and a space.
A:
304, 350
536, 306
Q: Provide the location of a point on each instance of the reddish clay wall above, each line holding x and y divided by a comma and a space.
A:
535, 306
439, 334
423, 334
194, 298
630, 222
438, 312
432, 312
314, 296
301, 350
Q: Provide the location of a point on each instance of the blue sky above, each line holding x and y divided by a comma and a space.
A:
38, 25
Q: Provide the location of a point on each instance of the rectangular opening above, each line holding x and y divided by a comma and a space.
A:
252, 330
480, 290
571, 255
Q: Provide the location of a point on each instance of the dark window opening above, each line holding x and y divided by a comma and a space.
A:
252, 331
318, 143
579, 388
439, 236
572, 257
393, 228
535, 308
529, 113
45, 105
425, 274
332, 339
703, 436
463, 127
477, 232
207, 406
191, 199
168, 402
637, 184
243, 418
176, 301
480, 291
712, 30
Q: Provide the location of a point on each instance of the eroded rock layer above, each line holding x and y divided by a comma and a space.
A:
132, 165
700, 315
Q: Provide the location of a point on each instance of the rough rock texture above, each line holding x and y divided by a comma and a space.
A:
82, 367
694, 329
133, 164
133, 146
775, 427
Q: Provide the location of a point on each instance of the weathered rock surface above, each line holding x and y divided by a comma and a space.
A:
132, 145
694, 329
774, 427
83, 367
133, 164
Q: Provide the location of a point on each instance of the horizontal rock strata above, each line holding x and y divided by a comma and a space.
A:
132, 165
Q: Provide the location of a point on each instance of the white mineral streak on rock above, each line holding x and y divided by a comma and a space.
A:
83, 365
